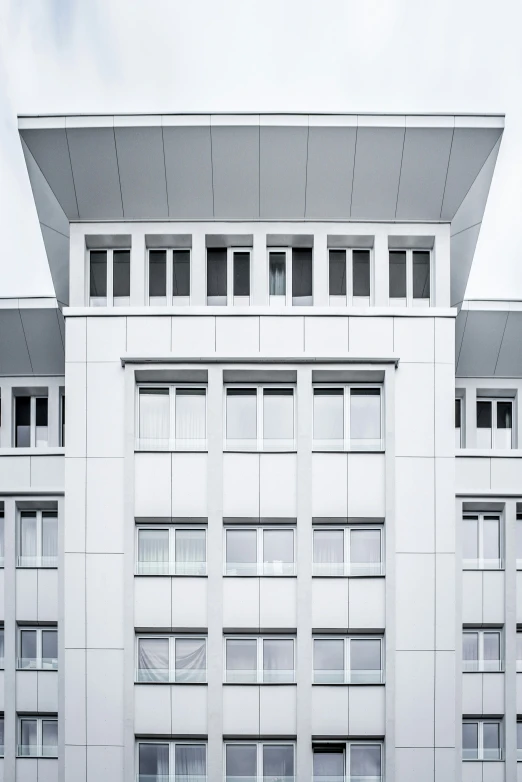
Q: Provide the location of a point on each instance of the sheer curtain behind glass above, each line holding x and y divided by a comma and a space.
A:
492, 651
28, 737
153, 551
241, 660
191, 659
28, 537
470, 652
278, 763
240, 762
190, 762
154, 418
191, 555
328, 766
277, 274
329, 552
365, 761
365, 417
278, 660
365, 552
49, 738
278, 551
49, 538
153, 660
190, 415
153, 762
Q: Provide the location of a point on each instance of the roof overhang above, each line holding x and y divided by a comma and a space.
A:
32, 338
266, 167
488, 340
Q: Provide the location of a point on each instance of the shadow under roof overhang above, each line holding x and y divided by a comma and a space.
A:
488, 340
31, 338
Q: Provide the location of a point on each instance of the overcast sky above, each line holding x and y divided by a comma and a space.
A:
116, 56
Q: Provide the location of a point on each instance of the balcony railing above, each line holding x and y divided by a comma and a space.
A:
171, 676
349, 677
260, 569
171, 778
482, 754
37, 751
483, 564
334, 778
259, 677
42, 561
37, 663
171, 568
348, 569
482, 666
171, 444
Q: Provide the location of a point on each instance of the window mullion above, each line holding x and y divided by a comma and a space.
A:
172, 415
259, 660
172, 758
347, 660
346, 417
259, 418
110, 278
169, 277
349, 277
172, 659
172, 550
259, 552
347, 551
39, 533
288, 267
409, 278
32, 421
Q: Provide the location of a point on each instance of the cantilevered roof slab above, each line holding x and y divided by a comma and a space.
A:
31, 338
488, 342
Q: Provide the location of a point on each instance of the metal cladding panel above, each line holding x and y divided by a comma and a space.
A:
50, 149
377, 172
188, 163
141, 165
283, 153
462, 250
14, 353
480, 343
509, 363
331, 157
44, 340
423, 173
50, 211
95, 171
469, 151
472, 208
57, 249
235, 167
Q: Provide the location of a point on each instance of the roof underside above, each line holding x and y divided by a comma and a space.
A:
488, 342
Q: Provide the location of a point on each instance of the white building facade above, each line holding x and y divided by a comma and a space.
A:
259, 461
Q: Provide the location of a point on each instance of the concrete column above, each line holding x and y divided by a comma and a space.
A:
510, 638
53, 413
470, 415
381, 273
10, 727
7, 416
198, 270
259, 279
390, 559
61, 641
320, 269
138, 272
78, 295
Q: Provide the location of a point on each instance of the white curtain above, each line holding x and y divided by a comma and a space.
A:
365, 550
28, 737
241, 660
365, 760
154, 417
190, 414
278, 762
191, 659
190, 551
277, 274
49, 537
491, 651
328, 414
153, 660
153, 551
328, 766
329, 551
28, 535
470, 648
49, 737
154, 760
190, 762
1, 537
365, 660
278, 660
365, 414
328, 660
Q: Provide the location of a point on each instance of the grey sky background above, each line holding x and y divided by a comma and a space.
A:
117, 56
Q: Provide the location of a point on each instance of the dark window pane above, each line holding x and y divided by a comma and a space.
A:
154, 759
277, 274
457, 413
421, 274
361, 272
121, 273
23, 421
216, 271
504, 415
241, 761
398, 275
49, 644
28, 644
278, 761
181, 273
242, 274
302, 273
158, 273
483, 415
41, 410
337, 273
98, 273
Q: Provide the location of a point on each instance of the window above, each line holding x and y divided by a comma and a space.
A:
259, 418
348, 551
482, 541
38, 648
352, 761
494, 423
172, 760
410, 275
519, 738
349, 277
1, 735
271, 761
2, 646
38, 538
169, 277
171, 551
518, 539
172, 418
481, 740
252, 551
62, 420
481, 651
356, 660
290, 276
458, 423
31, 421
347, 418
519, 650
109, 278
228, 276
254, 660
174, 659
38, 737
2, 529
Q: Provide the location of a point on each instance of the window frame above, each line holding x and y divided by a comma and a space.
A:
345, 442
38, 660
480, 722
2, 536
259, 672
480, 563
273, 299
479, 666
519, 641
110, 298
347, 672
494, 400
235, 444
346, 747
259, 776
518, 531
346, 565
172, 443
349, 297
172, 638
171, 563
409, 301
2, 722
230, 297
32, 419
2, 635
172, 744
40, 719
170, 299
459, 439
39, 557
260, 568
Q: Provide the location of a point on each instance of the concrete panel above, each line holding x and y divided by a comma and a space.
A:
152, 710
414, 764
278, 485
493, 596
414, 687
74, 601
366, 603
370, 336
241, 602
376, 177
366, 485
152, 602
149, 336
47, 472
329, 173
282, 172
414, 339
76, 339
75, 481
415, 505
493, 771
95, 170
189, 602
506, 474
27, 691
414, 603
105, 411
493, 693
414, 410
104, 598
278, 711
326, 336
519, 693
240, 710
195, 337
445, 505
471, 771
445, 764
519, 597
26, 594
106, 339
104, 763
445, 694
76, 409
330, 602
105, 713
282, 336
27, 769
241, 485
444, 410
15, 471
330, 485
189, 485
278, 602
189, 709
188, 166
152, 485
2, 596
472, 610
75, 762
237, 336
445, 592
235, 171
366, 711
329, 710
75, 720
141, 169
472, 474
48, 691
445, 341
105, 494
424, 165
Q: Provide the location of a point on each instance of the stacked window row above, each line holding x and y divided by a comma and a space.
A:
37, 736
36, 538
30, 416
494, 423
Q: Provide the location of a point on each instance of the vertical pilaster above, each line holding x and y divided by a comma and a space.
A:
381, 273
198, 294
10, 732
510, 639
320, 269
390, 558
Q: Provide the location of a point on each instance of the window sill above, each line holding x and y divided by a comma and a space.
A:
336, 575
259, 684
348, 450
172, 684
32, 451
170, 575
260, 450
495, 453
348, 684
260, 575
